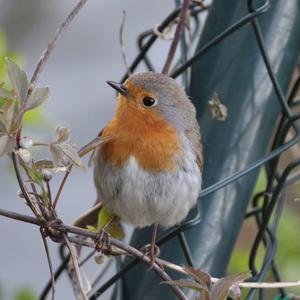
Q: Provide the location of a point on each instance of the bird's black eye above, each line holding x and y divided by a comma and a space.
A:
149, 101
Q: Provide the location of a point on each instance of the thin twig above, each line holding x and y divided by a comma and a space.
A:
47, 52
179, 29
23, 187
98, 276
49, 263
49, 193
62, 186
83, 151
74, 259
123, 50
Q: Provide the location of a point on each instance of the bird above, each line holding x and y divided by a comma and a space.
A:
149, 172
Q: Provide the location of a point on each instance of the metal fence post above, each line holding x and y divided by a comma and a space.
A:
236, 71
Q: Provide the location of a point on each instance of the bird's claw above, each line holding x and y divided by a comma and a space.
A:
152, 251
102, 239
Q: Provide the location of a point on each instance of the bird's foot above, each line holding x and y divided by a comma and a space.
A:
102, 241
152, 251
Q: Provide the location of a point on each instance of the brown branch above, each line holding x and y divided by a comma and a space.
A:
62, 228
129, 249
77, 282
24, 191
85, 233
62, 186
179, 30
19, 217
49, 263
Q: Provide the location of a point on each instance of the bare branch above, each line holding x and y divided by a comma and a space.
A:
131, 250
179, 29
62, 186
74, 257
49, 263
123, 50
24, 191
47, 52
19, 217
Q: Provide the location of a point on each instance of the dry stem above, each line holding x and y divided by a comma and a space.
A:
179, 29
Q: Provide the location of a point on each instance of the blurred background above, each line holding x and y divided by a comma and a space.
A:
87, 55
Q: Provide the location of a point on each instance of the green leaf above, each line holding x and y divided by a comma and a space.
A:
221, 288
111, 223
91, 228
35, 175
18, 79
37, 97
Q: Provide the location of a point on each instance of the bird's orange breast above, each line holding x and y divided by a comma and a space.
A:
143, 134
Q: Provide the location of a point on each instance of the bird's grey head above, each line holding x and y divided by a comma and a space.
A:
170, 98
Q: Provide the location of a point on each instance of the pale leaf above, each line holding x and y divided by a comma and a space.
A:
12, 117
61, 134
44, 164
5, 94
200, 276
2, 127
185, 283
221, 288
37, 97
235, 292
7, 144
57, 154
93, 144
18, 79
204, 295
100, 258
71, 153
25, 155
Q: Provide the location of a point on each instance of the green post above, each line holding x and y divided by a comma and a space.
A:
236, 71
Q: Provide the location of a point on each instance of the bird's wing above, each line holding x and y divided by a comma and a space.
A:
194, 136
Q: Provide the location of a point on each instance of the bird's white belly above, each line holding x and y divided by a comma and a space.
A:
142, 198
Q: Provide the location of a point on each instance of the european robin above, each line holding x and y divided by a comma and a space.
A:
149, 172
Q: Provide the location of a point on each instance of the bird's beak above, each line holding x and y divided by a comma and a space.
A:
118, 87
